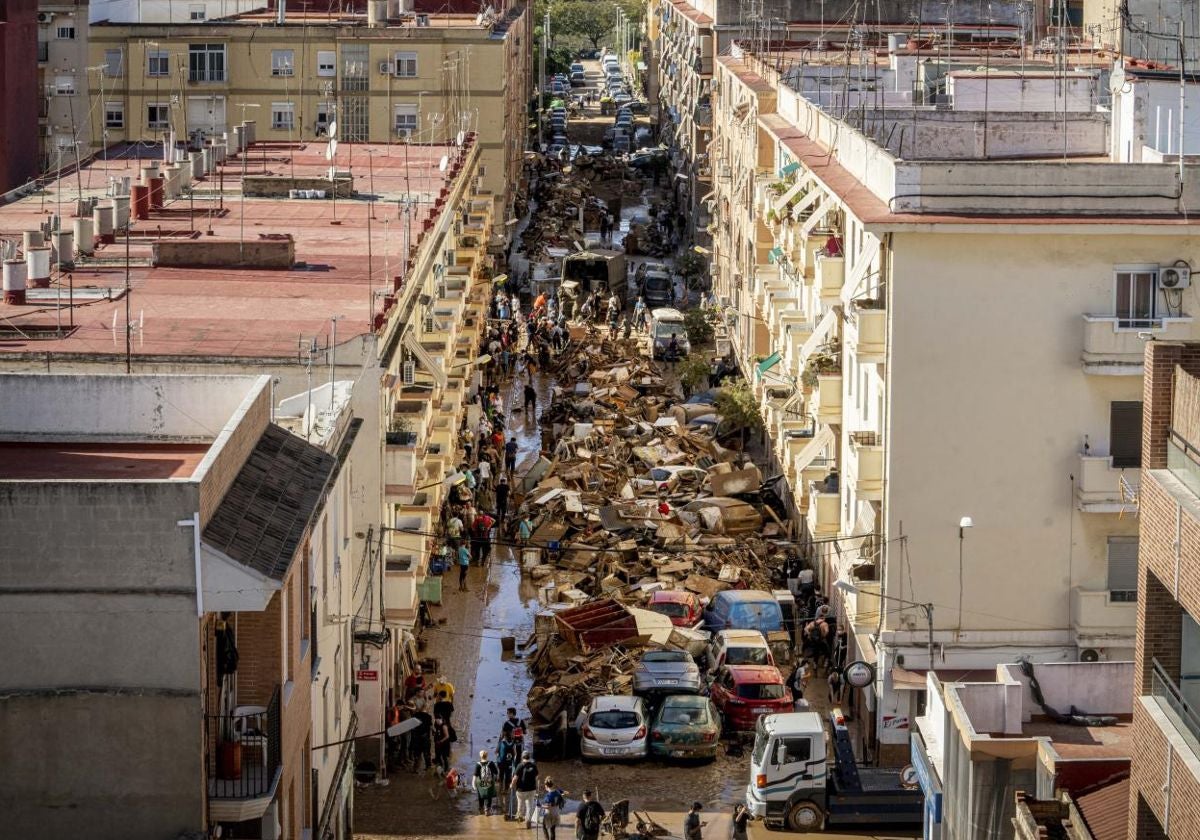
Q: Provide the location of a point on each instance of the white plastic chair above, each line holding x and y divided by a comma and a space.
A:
249, 727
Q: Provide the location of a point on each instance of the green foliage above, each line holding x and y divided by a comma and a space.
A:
585, 18
693, 373
739, 409
691, 265
698, 327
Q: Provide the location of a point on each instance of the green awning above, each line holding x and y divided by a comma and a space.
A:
789, 169
768, 363
774, 254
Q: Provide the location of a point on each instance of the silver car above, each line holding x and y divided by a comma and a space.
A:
614, 727
666, 672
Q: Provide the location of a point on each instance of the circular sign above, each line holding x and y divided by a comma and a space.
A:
908, 777
859, 674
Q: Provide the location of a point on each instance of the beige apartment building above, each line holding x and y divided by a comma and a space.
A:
944, 320
64, 66
387, 77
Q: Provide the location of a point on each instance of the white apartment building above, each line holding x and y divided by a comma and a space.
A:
958, 330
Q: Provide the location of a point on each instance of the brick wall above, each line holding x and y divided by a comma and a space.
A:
1160, 361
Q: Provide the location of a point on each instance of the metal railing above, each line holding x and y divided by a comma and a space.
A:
1165, 688
247, 754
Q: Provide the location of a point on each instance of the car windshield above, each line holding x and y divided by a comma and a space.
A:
613, 719
760, 742
664, 329
693, 715
748, 656
667, 655
672, 609
658, 283
760, 691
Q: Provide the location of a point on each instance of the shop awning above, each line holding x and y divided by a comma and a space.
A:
805, 457
427, 361
774, 254
768, 363
789, 169
818, 335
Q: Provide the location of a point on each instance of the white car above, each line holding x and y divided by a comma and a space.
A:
738, 647
614, 727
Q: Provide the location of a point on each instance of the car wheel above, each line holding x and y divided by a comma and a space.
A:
805, 816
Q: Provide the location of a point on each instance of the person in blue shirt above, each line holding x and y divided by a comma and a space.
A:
464, 563
551, 804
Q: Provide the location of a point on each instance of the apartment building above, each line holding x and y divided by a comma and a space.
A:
157, 557
18, 83
905, 297
386, 76
1165, 778
63, 67
356, 308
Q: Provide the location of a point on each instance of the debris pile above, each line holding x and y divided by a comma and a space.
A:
627, 500
588, 186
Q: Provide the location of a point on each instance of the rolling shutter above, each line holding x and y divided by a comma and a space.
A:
1125, 434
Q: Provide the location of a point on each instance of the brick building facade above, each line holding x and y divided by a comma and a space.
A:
1165, 777
19, 143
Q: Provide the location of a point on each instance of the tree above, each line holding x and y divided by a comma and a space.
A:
693, 267
693, 373
739, 409
699, 329
586, 18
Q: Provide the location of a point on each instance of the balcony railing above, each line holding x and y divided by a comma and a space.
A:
1169, 695
246, 758
1114, 345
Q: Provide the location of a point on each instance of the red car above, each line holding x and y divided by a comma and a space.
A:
683, 608
743, 692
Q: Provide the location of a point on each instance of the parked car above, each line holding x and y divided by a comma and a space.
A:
738, 647
578, 79
649, 265
666, 672
658, 289
577, 67
743, 692
613, 727
664, 323
589, 53
679, 605
743, 609
686, 726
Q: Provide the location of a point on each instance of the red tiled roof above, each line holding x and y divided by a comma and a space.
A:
1106, 810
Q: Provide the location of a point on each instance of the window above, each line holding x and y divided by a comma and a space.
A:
1125, 433
196, 12
792, 750
1122, 568
65, 33
283, 116
325, 113
326, 63
113, 64
43, 51
206, 62
158, 115
158, 63
64, 85
114, 115
282, 62
406, 120
406, 64
1135, 293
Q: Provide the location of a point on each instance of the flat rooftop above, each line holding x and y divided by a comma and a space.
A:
1076, 742
89, 461
346, 252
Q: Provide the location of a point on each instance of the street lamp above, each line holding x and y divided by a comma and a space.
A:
963, 524
927, 608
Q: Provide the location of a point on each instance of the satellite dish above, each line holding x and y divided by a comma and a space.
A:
443, 163
332, 128
461, 136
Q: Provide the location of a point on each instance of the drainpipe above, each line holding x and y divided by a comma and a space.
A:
194, 524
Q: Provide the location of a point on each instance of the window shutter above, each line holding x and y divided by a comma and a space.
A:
1125, 434
1122, 564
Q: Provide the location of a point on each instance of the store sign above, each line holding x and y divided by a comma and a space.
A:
367, 676
859, 674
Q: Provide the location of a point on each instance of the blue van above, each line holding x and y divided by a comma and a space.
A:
743, 609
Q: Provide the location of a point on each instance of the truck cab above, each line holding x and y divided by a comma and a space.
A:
795, 781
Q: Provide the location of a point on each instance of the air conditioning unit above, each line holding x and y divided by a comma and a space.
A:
45, 17
1175, 277
386, 68
404, 133
1092, 655
321, 129
408, 373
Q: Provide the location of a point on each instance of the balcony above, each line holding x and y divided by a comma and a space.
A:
868, 451
827, 398
1112, 346
871, 319
824, 510
1099, 621
1102, 488
244, 761
1174, 704
829, 275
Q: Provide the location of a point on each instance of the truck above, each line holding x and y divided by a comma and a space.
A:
596, 270
795, 784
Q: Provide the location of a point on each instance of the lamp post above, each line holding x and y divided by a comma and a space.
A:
927, 608
245, 154
963, 524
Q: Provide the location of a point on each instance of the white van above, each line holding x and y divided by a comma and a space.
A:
665, 323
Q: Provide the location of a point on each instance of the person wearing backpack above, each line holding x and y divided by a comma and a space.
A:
589, 819
525, 784
485, 781
443, 737
552, 805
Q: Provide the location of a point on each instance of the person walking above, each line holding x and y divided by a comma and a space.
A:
506, 760
419, 744
524, 782
835, 686
552, 805
673, 350
443, 708
589, 818
692, 825
484, 782
464, 563
510, 454
502, 499
443, 737
530, 399
741, 817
